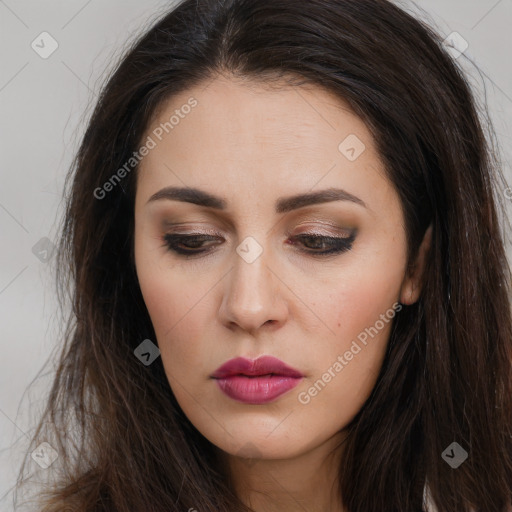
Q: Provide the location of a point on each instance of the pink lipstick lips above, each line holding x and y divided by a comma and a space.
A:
256, 382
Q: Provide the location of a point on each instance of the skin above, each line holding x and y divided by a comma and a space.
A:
251, 145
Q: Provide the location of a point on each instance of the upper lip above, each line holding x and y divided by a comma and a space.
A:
263, 365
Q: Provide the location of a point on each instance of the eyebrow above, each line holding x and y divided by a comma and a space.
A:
283, 204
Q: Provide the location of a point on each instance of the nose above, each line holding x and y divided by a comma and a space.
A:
253, 296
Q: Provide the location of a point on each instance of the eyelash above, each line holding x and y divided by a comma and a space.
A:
341, 244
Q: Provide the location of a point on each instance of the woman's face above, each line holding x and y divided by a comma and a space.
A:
261, 287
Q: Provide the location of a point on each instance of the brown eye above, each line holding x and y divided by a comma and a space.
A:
331, 245
190, 245
187, 244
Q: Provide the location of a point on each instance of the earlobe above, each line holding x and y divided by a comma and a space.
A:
412, 284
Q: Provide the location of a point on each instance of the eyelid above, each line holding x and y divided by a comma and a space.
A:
342, 245
340, 232
192, 231
309, 223
348, 234
337, 232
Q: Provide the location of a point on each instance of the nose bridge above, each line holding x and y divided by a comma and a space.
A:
252, 297
251, 280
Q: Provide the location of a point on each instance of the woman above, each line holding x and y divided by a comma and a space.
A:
290, 285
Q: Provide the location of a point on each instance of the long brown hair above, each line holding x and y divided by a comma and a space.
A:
124, 444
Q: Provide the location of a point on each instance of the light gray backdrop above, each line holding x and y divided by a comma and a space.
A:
46, 90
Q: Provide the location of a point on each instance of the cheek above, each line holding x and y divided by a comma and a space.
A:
352, 301
169, 306
359, 310
177, 308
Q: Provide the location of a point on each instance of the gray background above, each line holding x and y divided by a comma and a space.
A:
43, 103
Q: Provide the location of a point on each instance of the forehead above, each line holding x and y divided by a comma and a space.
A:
295, 117
247, 136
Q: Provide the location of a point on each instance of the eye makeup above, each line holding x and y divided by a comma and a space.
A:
315, 244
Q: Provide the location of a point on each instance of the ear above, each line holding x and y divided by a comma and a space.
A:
412, 283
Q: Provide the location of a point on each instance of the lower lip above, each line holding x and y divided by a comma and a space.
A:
256, 390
